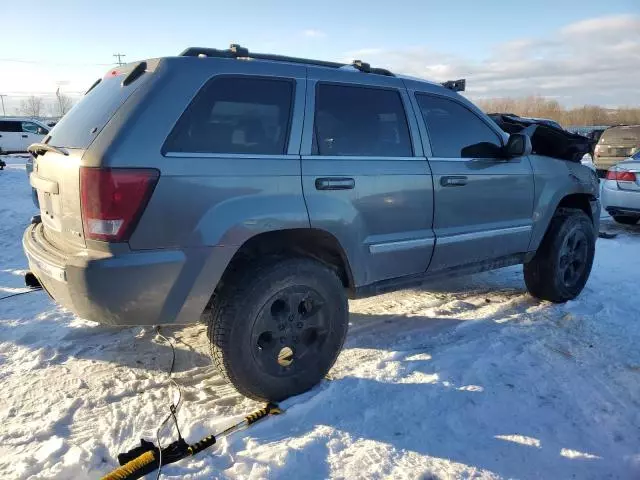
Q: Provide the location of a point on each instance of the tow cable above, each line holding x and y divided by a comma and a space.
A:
147, 458
21, 293
32, 284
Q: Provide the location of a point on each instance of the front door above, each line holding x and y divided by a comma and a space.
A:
30, 133
364, 177
483, 201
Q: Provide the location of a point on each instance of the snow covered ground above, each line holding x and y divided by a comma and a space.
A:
472, 379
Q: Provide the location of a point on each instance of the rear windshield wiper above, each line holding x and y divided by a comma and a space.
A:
40, 148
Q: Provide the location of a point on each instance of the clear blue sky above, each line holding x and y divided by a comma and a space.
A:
89, 32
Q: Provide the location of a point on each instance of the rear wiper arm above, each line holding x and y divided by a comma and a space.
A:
40, 148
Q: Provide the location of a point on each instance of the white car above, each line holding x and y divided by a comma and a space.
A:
621, 191
16, 133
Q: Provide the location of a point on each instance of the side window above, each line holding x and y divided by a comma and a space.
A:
236, 115
360, 121
455, 131
30, 127
10, 126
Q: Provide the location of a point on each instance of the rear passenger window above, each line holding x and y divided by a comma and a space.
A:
361, 122
10, 126
236, 115
455, 131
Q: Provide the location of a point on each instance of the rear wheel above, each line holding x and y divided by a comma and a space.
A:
626, 220
560, 268
276, 329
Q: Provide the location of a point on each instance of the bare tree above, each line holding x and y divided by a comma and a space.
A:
64, 103
32, 107
550, 108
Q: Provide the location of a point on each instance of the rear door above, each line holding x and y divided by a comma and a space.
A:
483, 202
364, 177
10, 135
56, 175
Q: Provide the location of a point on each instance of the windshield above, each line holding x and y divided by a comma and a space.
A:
623, 135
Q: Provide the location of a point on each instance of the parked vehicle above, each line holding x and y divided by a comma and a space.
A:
258, 195
615, 145
16, 133
621, 191
34, 192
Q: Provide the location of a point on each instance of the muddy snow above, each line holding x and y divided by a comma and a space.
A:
469, 379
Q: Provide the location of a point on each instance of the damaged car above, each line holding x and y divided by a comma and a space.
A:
258, 196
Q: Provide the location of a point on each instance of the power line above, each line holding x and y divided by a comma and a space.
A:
119, 57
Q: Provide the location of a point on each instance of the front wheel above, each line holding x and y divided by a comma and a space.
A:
276, 329
560, 268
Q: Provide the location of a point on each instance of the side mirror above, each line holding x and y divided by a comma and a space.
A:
518, 145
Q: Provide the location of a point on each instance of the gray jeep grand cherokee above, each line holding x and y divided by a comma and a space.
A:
258, 192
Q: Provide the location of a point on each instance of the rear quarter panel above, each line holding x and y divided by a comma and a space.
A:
204, 205
203, 200
555, 179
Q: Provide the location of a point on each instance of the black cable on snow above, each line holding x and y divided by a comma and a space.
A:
21, 293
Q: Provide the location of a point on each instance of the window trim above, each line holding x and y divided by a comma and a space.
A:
292, 81
417, 94
315, 148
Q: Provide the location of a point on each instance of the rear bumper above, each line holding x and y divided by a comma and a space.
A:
619, 202
137, 288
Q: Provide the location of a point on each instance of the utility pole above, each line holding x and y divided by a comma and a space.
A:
119, 57
4, 114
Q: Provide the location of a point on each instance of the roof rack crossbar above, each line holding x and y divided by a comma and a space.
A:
236, 51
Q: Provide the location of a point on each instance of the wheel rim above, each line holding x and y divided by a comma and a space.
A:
289, 330
573, 257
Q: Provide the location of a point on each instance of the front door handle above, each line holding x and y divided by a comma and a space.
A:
25, 136
453, 181
335, 183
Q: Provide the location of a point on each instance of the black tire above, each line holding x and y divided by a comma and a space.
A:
297, 303
559, 271
626, 220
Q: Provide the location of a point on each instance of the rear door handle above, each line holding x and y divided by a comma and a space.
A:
335, 183
453, 181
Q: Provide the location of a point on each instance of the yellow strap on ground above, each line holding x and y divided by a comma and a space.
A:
130, 468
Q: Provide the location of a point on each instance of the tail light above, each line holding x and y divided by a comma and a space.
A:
621, 176
112, 200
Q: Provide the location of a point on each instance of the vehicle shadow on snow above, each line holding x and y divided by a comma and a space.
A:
466, 424
68, 337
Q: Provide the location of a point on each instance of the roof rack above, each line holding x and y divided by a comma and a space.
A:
237, 51
455, 85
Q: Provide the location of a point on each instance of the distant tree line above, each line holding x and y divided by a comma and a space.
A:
534, 106
35, 106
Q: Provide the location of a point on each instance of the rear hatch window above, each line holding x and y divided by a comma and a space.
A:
56, 173
83, 123
619, 141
